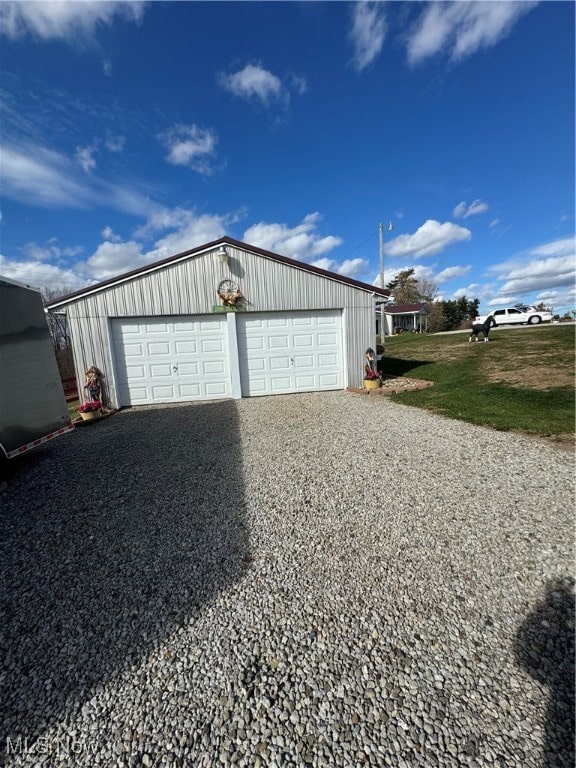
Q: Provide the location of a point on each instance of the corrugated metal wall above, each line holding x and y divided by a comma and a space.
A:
189, 287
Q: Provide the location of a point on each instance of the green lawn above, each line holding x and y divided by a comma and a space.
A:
523, 379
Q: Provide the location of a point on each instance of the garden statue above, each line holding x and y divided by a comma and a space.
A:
371, 376
93, 384
370, 358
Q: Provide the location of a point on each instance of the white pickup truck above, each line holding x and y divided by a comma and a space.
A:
516, 315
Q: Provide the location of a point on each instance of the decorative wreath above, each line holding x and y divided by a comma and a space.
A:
230, 294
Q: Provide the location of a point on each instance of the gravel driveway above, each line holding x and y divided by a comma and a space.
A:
310, 580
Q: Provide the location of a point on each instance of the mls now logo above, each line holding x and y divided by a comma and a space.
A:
58, 746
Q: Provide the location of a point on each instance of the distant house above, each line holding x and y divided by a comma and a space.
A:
402, 317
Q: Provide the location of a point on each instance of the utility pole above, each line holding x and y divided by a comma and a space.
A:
381, 240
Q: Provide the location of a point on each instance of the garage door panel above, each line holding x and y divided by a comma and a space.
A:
160, 371
306, 382
213, 366
136, 371
156, 328
281, 384
133, 350
189, 392
333, 320
327, 361
131, 330
327, 339
139, 394
158, 348
188, 369
256, 364
279, 363
278, 342
171, 359
313, 346
186, 347
252, 322
303, 361
216, 389
259, 387
212, 345
184, 326
163, 391
328, 380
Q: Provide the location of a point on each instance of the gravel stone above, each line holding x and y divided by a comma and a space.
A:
306, 580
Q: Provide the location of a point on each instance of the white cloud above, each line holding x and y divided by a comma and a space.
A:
324, 263
548, 266
463, 210
470, 291
368, 33
254, 82
563, 247
421, 272
349, 267
503, 301
69, 21
85, 158
108, 234
353, 267
428, 240
300, 242
115, 143
41, 177
36, 252
197, 231
182, 221
462, 28
539, 274
111, 259
299, 84
114, 257
191, 146
51, 250
43, 275
451, 273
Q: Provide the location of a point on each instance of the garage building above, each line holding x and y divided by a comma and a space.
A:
171, 331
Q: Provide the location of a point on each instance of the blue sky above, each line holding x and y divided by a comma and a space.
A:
134, 131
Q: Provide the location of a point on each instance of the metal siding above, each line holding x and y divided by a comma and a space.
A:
190, 287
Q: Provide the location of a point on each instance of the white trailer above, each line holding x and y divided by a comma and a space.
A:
33, 406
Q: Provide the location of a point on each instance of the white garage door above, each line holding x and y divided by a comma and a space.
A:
283, 352
171, 359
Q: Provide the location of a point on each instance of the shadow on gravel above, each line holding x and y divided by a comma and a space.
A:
110, 541
545, 648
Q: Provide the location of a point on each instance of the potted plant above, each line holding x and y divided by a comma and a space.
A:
90, 410
372, 379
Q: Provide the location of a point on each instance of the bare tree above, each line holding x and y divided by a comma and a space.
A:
57, 321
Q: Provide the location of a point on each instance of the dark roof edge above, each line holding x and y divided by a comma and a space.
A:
97, 287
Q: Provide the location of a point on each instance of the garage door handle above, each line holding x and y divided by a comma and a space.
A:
175, 368
291, 361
